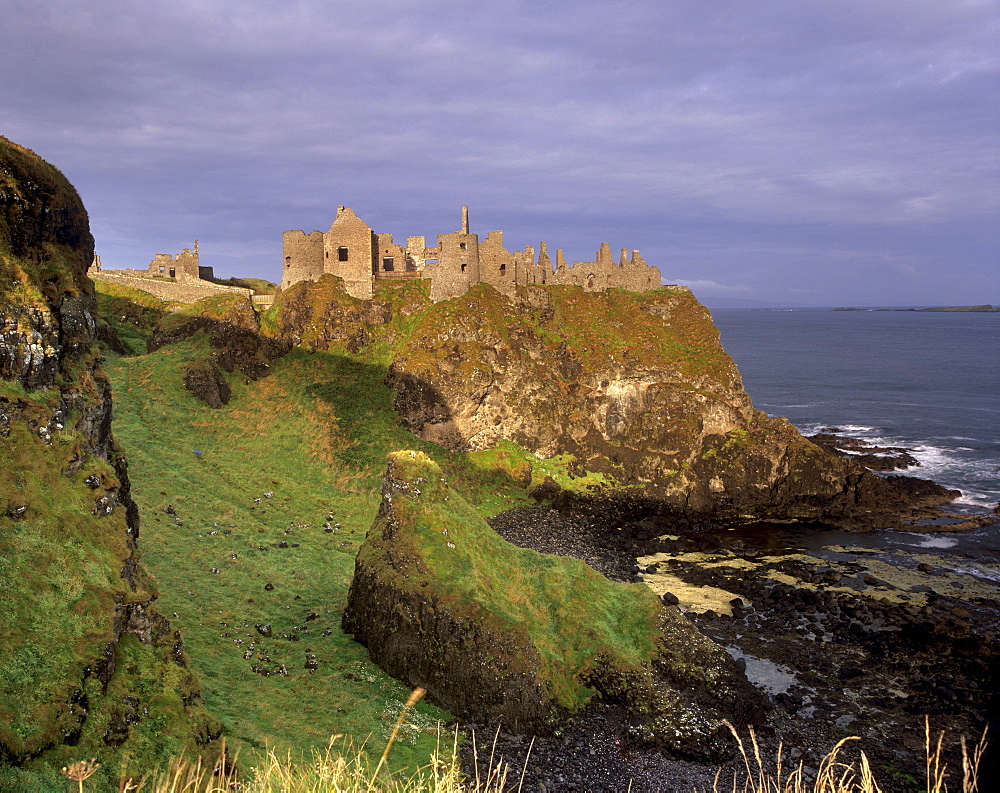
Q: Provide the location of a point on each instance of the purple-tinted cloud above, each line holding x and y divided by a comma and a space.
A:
843, 150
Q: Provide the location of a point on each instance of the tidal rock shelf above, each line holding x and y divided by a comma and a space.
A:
839, 650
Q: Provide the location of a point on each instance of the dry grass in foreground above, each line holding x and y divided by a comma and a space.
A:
835, 776
345, 769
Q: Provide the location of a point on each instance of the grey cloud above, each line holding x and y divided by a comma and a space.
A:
740, 143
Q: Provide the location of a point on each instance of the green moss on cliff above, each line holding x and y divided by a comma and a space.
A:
570, 614
502, 633
72, 586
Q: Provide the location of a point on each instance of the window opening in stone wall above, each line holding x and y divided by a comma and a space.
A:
288, 261
341, 254
163, 269
388, 263
462, 245
464, 265
503, 268
173, 273
590, 281
327, 254
409, 265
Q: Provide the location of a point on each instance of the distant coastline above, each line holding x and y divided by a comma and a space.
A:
986, 308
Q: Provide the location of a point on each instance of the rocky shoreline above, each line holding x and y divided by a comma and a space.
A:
843, 642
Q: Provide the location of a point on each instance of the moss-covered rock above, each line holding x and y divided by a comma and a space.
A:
497, 632
233, 331
634, 387
73, 588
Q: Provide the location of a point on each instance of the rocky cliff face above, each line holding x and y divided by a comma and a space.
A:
75, 596
633, 385
500, 633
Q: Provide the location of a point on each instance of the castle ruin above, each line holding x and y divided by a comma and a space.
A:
180, 277
459, 261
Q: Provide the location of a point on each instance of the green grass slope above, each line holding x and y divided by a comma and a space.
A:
87, 666
427, 538
236, 509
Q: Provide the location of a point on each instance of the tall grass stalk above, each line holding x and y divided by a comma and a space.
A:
414, 698
937, 769
836, 776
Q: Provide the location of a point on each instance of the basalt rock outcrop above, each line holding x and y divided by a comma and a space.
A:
635, 386
79, 630
500, 633
237, 345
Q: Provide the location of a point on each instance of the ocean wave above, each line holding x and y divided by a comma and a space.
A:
955, 466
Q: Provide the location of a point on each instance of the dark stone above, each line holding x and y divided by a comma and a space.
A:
205, 382
670, 599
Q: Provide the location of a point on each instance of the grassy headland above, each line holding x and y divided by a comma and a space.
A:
251, 518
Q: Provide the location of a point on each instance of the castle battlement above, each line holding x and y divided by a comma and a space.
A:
459, 261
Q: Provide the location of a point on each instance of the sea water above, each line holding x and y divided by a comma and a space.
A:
927, 381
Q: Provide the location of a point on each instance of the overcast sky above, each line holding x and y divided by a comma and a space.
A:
816, 152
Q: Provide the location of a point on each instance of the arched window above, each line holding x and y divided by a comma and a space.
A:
341, 254
288, 261
462, 245
503, 268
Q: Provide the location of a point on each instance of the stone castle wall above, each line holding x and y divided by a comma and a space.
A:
351, 250
181, 291
180, 278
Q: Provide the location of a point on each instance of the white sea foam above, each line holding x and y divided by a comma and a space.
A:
937, 542
924, 540
954, 466
978, 571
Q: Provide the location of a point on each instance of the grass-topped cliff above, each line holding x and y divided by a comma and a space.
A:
500, 633
633, 387
87, 664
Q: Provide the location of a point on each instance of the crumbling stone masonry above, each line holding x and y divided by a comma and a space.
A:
459, 261
180, 278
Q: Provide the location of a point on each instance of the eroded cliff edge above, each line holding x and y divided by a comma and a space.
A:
85, 659
500, 633
635, 386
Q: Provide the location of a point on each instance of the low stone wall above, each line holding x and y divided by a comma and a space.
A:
183, 292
